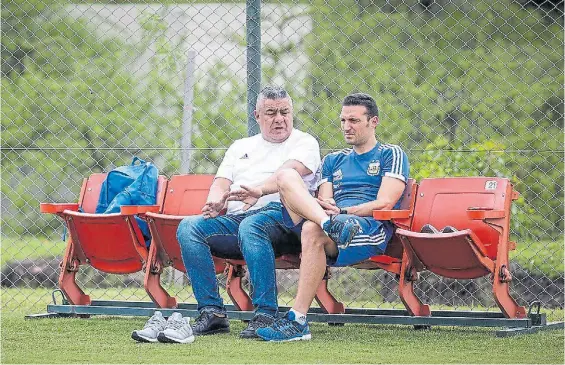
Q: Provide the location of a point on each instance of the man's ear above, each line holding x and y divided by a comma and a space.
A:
256, 114
374, 121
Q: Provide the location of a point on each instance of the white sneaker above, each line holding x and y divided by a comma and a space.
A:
178, 330
151, 330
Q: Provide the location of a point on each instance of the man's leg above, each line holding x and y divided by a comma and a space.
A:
293, 326
300, 204
263, 237
195, 234
297, 199
316, 245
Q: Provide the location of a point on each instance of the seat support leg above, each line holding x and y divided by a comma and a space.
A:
238, 296
408, 275
67, 278
501, 291
152, 281
326, 300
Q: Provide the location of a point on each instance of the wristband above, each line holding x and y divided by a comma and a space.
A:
343, 211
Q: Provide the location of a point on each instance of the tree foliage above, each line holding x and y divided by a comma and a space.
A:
475, 89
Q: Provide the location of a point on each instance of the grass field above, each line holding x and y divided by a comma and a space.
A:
107, 340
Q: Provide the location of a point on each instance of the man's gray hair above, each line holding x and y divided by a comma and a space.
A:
272, 93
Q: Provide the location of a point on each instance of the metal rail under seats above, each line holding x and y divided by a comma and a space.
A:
479, 207
112, 243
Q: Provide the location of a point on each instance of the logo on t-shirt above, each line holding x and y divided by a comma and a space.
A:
338, 175
374, 168
244, 157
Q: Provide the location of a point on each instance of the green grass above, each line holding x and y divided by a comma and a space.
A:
545, 256
19, 248
107, 340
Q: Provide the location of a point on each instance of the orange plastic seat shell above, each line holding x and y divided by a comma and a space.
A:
479, 207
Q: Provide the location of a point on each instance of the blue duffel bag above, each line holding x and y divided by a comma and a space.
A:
135, 184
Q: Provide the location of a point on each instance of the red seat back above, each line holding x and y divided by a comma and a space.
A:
90, 192
444, 201
187, 194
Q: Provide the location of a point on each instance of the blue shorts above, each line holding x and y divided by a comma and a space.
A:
371, 240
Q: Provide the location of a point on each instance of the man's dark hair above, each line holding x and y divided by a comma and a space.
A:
272, 93
362, 99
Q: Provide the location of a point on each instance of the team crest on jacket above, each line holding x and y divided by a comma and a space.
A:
374, 168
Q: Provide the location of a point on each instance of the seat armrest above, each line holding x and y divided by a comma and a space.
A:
56, 208
386, 215
484, 213
139, 209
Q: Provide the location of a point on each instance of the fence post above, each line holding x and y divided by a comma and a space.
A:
186, 138
253, 21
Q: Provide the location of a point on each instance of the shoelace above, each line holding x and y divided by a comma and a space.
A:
176, 324
199, 321
259, 321
152, 322
285, 326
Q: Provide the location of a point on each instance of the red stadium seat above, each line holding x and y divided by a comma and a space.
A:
111, 243
479, 207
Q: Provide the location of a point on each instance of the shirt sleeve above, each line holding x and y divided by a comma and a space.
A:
327, 173
307, 151
396, 163
226, 167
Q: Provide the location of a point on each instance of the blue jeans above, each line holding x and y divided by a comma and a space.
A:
257, 236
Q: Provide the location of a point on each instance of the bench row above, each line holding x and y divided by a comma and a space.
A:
478, 207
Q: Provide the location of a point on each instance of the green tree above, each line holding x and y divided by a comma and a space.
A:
70, 107
475, 73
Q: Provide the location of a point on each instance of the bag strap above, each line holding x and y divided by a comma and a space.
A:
137, 159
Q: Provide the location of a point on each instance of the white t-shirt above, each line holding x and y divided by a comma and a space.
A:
250, 161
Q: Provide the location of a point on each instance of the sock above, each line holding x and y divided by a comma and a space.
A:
324, 222
299, 317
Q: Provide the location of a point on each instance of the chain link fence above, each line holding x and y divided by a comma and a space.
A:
466, 88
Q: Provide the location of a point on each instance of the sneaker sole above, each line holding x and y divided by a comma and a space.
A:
213, 332
140, 338
164, 339
307, 337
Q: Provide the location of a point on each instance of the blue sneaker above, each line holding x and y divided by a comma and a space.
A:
341, 232
285, 329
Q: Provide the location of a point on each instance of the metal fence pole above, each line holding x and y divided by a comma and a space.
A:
186, 140
253, 11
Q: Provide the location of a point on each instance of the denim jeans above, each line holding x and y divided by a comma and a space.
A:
258, 236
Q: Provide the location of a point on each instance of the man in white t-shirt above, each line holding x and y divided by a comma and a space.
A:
254, 233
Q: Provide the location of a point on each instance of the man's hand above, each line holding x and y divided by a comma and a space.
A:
247, 194
329, 206
213, 208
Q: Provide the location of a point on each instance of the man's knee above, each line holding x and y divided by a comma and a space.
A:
287, 178
253, 227
312, 235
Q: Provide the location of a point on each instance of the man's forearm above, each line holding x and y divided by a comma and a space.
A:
218, 189
269, 186
366, 209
